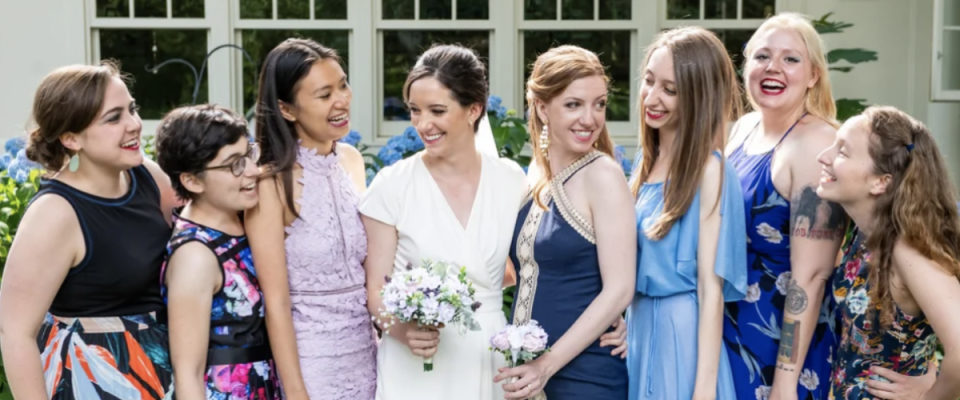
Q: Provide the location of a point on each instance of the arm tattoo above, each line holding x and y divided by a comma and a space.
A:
814, 218
789, 341
796, 298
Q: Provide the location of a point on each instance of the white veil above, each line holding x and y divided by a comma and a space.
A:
484, 139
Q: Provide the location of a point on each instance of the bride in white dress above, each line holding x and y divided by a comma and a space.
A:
455, 201
449, 202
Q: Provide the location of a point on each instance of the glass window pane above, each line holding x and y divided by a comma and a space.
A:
615, 9
613, 48
330, 9
577, 9
540, 9
142, 51
150, 9
473, 9
720, 9
951, 13
113, 8
293, 9
951, 60
188, 9
256, 9
758, 9
436, 9
258, 43
401, 49
398, 9
683, 9
735, 41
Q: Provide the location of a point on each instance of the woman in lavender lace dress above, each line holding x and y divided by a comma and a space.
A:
306, 236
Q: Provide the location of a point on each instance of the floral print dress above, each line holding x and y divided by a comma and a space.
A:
239, 362
906, 347
751, 328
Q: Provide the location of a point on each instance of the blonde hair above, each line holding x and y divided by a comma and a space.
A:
708, 96
819, 101
552, 73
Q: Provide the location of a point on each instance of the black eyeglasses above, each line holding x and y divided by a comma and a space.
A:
238, 165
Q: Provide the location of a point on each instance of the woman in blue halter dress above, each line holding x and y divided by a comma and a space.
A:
752, 327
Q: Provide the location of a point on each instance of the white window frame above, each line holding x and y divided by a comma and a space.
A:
219, 88
365, 26
937, 91
359, 69
497, 27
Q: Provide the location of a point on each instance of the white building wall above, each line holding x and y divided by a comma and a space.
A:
36, 36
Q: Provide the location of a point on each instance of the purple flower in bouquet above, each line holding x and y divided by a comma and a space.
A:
520, 344
433, 294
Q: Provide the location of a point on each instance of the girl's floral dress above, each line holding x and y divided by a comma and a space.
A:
906, 347
239, 362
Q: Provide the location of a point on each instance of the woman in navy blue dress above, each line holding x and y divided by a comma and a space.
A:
574, 237
781, 336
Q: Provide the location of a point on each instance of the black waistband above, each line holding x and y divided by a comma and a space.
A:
238, 355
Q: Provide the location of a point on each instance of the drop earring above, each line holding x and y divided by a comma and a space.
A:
544, 141
74, 162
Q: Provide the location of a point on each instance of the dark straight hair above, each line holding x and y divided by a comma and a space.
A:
286, 65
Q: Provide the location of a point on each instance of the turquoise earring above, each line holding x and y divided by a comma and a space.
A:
74, 162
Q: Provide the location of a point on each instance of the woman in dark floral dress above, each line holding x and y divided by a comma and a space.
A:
897, 287
218, 337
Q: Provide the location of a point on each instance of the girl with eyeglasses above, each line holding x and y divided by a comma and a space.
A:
218, 335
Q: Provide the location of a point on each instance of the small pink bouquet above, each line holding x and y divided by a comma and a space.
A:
434, 294
520, 343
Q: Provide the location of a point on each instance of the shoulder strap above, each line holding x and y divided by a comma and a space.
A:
572, 169
790, 130
84, 230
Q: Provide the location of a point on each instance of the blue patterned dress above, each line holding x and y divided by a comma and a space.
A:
239, 362
751, 329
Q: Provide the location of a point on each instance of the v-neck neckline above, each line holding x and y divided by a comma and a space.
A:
446, 202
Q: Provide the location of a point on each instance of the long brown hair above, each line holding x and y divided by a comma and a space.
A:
819, 101
67, 101
552, 73
919, 205
708, 97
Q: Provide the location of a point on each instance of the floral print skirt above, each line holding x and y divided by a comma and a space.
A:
243, 381
121, 358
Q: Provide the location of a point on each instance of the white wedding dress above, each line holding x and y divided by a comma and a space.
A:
405, 195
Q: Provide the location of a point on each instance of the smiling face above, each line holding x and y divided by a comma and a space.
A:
779, 71
321, 112
113, 138
847, 174
219, 186
658, 92
576, 117
442, 123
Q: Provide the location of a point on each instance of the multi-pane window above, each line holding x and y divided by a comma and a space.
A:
185, 51
163, 63
946, 50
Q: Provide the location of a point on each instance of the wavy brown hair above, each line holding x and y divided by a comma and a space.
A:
919, 205
552, 73
708, 97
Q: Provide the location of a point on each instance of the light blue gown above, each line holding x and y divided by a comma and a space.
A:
662, 322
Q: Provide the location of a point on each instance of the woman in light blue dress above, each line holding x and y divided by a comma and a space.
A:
690, 221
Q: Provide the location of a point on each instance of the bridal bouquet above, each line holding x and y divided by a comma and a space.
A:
433, 294
520, 343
